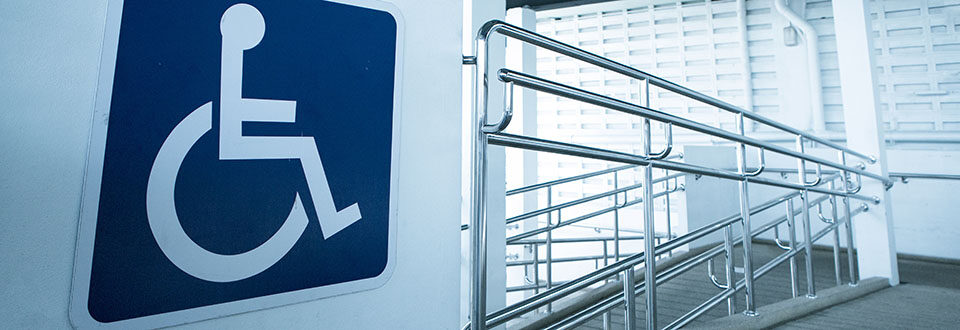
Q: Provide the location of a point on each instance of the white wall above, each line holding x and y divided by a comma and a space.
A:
925, 211
49, 64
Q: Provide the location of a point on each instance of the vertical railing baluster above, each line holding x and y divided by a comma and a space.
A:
629, 301
649, 266
606, 256
851, 259
666, 198
728, 266
745, 216
616, 218
805, 213
536, 267
549, 245
606, 261
791, 225
606, 321
836, 234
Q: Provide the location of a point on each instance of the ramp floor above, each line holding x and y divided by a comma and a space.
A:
687, 291
928, 298
906, 306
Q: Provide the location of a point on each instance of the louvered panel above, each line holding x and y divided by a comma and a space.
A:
695, 43
918, 59
763, 65
698, 44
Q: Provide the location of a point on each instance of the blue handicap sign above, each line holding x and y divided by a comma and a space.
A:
243, 156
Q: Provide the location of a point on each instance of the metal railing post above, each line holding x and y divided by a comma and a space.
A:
649, 231
616, 218
549, 243
478, 223
728, 266
836, 235
606, 259
791, 226
629, 300
666, 198
805, 214
745, 214
536, 268
851, 259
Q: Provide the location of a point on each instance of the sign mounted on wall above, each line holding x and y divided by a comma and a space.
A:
243, 156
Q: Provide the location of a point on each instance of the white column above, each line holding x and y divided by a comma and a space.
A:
876, 247
523, 56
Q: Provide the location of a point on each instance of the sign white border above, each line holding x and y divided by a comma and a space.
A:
89, 205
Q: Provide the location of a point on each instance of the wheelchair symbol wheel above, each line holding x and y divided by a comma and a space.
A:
242, 27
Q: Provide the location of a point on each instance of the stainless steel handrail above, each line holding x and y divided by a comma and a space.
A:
579, 177
506, 29
541, 185
558, 292
580, 218
549, 241
485, 133
590, 198
904, 176
594, 197
693, 261
581, 240
542, 85
763, 270
678, 268
529, 143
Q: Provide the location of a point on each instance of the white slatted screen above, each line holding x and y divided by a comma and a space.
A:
698, 43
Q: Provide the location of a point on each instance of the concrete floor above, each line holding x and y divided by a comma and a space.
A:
936, 274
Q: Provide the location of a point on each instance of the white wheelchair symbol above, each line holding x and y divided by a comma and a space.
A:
242, 27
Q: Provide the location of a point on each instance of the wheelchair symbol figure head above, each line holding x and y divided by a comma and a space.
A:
242, 27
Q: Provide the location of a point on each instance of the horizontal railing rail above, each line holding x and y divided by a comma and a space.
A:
582, 239
600, 275
552, 208
574, 178
675, 270
535, 144
533, 38
542, 185
904, 176
590, 198
542, 85
580, 218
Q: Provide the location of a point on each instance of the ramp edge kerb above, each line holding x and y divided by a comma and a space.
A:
795, 308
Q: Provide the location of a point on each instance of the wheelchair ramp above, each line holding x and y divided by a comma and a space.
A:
680, 295
906, 306
928, 297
